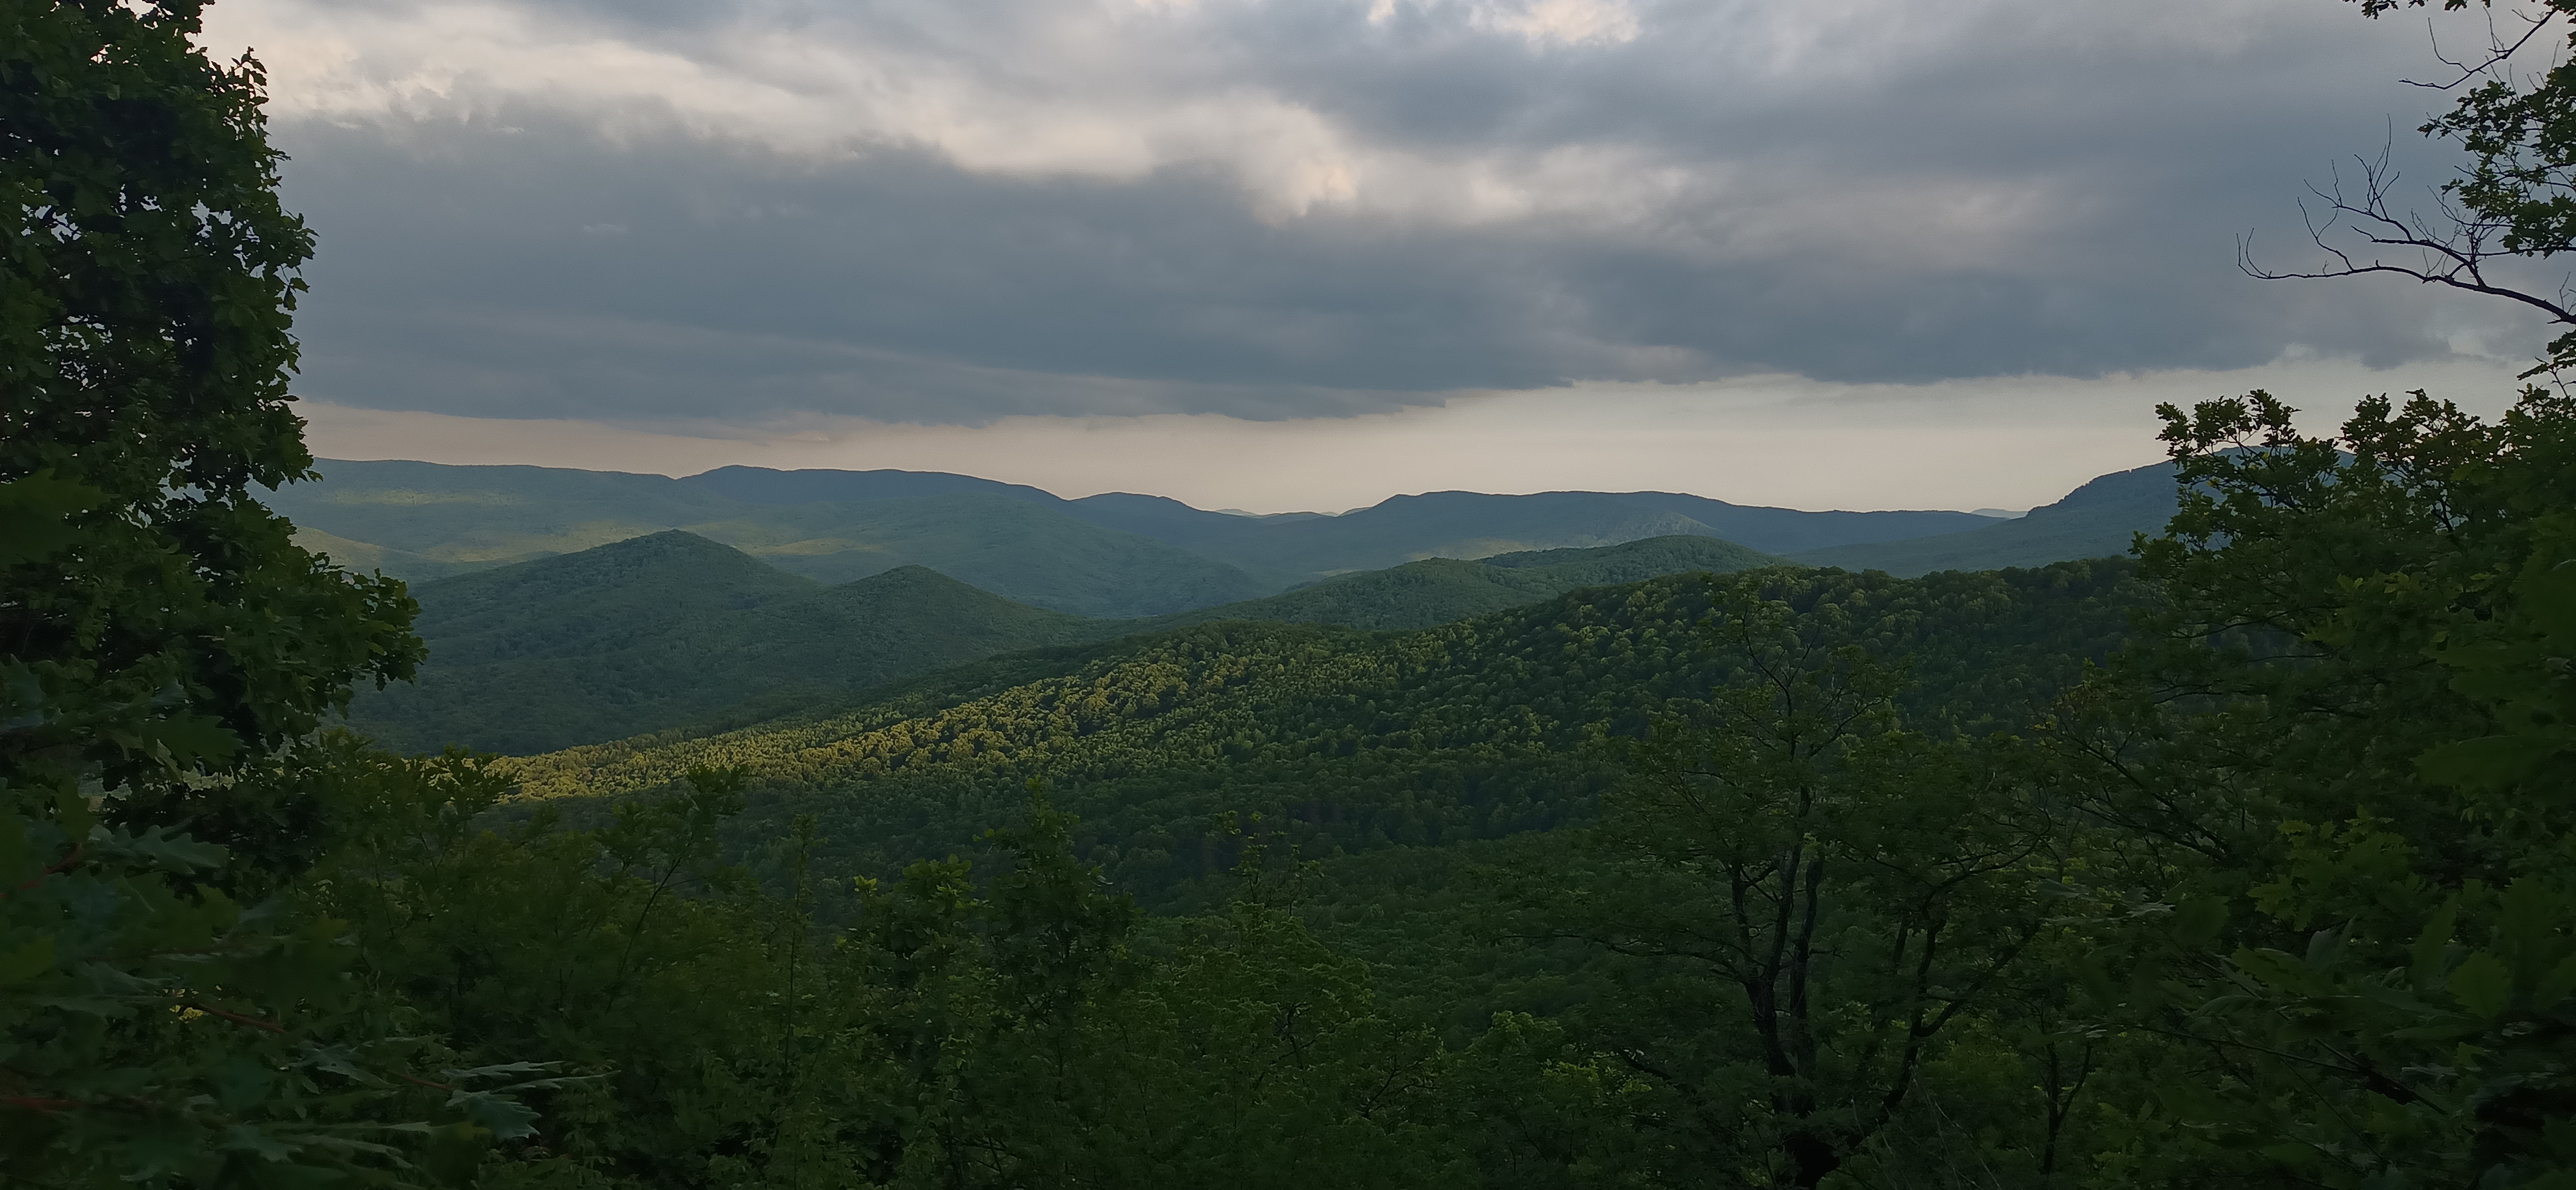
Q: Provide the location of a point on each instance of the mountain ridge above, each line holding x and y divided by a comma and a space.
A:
427, 520
2099, 518
667, 629
673, 629
1431, 591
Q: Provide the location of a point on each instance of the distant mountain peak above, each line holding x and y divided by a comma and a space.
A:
768, 485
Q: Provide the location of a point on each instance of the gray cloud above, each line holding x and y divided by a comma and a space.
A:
1290, 209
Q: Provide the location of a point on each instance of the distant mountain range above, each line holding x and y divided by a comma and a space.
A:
1438, 590
2097, 520
670, 628
425, 520
567, 607
1114, 555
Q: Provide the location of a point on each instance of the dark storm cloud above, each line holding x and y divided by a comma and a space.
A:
2018, 191
657, 282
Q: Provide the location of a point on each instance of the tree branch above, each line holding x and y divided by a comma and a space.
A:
2455, 258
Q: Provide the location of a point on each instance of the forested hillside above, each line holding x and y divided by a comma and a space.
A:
669, 629
673, 630
1474, 525
2097, 520
1438, 590
472, 517
1349, 741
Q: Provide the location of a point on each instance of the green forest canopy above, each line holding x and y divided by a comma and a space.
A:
2249, 863
671, 630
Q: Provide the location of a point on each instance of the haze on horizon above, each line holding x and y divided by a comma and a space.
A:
1274, 255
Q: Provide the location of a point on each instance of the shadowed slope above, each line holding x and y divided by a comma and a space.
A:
1439, 590
1351, 742
425, 521
2097, 520
674, 630
1114, 554
1475, 525
1010, 547
670, 629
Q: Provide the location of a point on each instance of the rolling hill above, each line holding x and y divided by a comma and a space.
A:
668, 629
1393, 531
1012, 548
1438, 590
672, 629
732, 618
2096, 520
362, 556
1346, 742
1115, 554
1473, 525
486, 516
426, 521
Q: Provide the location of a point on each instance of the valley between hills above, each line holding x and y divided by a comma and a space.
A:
570, 607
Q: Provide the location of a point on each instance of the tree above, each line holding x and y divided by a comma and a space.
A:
160, 621
1825, 898
167, 653
2367, 646
2334, 776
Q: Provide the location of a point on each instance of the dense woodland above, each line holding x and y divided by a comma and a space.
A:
1345, 741
2244, 860
672, 630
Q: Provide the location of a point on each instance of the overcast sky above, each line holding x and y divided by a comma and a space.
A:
1309, 253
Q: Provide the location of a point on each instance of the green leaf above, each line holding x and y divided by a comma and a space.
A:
2434, 944
248, 1139
2196, 921
186, 740
171, 852
35, 508
503, 1117
2483, 984
27, 962
499, 1070
2294, 1155
2555, 985
2280, 972
2490, 762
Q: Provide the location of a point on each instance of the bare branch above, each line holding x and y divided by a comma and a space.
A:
2452, 249
2499, 51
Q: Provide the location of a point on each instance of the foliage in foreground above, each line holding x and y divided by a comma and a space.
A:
1014, 1027
170, 1012
2339, 768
